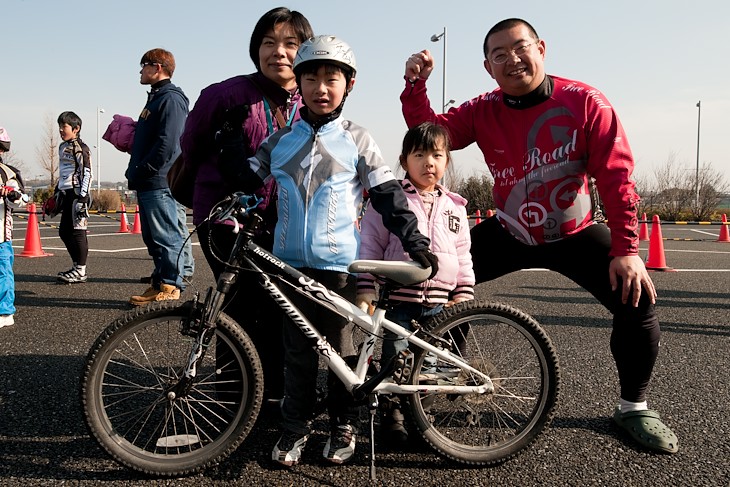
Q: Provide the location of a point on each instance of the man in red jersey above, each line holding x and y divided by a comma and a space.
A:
543, 138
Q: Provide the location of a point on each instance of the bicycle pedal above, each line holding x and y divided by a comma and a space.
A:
403, 367
190, 325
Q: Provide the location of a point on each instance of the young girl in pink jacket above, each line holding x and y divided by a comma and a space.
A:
442, 217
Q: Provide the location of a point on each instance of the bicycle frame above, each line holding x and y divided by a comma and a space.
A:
258, 259
156, 404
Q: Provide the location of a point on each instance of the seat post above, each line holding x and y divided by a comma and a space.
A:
384, 294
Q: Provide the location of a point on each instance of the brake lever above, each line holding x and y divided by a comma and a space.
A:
236, 226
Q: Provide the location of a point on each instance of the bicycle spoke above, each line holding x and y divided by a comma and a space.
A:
509, 348
141, 412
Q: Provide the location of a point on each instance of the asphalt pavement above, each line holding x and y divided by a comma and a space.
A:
43, 440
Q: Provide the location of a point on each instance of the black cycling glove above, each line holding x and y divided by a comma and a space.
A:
425, 258
232, 128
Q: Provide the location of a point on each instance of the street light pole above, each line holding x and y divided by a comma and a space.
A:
697, 169
436, 38
99, 111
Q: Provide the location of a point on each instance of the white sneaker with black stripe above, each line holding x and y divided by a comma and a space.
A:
72, 276
288, 450
340, 446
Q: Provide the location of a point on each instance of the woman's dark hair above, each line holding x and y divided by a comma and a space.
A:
275, 16
71, 119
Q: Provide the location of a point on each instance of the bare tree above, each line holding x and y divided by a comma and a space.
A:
47, 151
673, 188
712, 185
645, 188
11, 159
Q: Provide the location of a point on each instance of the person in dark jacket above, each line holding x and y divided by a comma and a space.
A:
266, 101
156, 146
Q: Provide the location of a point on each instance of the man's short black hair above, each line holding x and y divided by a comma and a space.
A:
504, 25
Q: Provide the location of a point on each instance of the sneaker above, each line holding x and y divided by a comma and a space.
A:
72, 276
166, 291
6, 320
340, 446
288, 450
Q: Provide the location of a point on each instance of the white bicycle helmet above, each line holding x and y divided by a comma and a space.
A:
4, 139
325, 48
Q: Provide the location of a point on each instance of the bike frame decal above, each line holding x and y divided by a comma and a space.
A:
318, 293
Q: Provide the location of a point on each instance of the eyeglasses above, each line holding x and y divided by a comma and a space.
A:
501, 57
142, 65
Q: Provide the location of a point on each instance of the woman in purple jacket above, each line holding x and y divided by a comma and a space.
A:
441, 217
262, 102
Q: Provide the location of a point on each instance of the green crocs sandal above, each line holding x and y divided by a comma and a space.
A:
647, 428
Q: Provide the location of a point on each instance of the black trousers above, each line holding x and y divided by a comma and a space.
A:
74, 240
250, 306
584, 258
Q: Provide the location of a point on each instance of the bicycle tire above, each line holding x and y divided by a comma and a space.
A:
517, 354
123, 392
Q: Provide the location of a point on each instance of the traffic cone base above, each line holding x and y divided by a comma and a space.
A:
123, 225
644, 230
655, 260
137, 223
724, 230
32, 246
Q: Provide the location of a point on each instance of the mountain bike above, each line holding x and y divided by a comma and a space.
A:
170, 389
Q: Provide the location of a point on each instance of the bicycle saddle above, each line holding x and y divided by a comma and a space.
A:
403, 273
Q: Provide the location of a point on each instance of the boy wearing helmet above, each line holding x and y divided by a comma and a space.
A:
321, 164
11, 187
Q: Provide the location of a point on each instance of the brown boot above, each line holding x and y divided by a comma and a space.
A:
166, 291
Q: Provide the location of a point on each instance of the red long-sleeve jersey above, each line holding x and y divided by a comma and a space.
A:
542, 157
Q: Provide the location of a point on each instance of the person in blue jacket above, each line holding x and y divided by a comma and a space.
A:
321, 165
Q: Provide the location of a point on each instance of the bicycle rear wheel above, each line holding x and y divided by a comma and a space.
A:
126, 386
513, 350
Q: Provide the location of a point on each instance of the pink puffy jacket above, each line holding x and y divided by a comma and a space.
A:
120, 133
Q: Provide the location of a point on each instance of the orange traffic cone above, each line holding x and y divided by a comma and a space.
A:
655, 260
644, 230
479, 217
123, 225
137, 224
32, 247
724, 231
490, 213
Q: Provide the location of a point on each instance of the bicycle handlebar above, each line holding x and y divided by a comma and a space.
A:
239, 204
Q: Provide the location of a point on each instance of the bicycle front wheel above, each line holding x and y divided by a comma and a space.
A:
126, 389
513, 350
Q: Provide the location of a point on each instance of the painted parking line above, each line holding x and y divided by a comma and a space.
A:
696, 251
716, 235
673, 270
98, 251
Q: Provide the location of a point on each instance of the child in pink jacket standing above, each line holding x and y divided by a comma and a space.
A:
442, 217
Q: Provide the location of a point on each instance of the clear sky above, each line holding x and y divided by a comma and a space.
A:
654, 60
